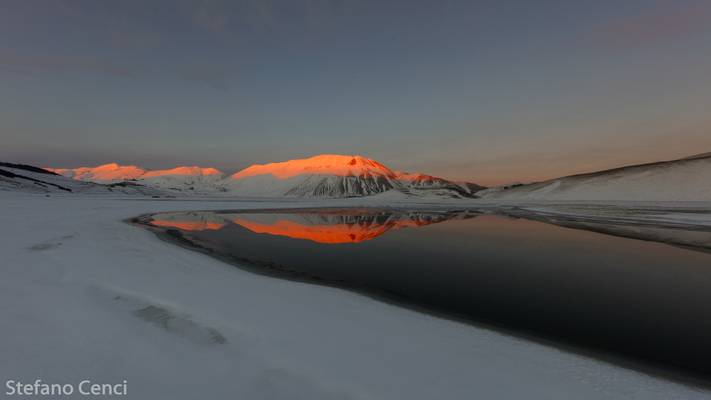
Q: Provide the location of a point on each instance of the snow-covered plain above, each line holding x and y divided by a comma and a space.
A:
84, 295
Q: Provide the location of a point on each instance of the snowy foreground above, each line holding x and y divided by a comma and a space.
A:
84, 295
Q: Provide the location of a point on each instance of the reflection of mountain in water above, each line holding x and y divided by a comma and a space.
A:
330, 226
358, 225
189, 221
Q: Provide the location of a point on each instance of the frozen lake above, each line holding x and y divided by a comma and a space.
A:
609, 294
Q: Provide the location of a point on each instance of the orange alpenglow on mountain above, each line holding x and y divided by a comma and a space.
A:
324, 175
327, 164
106, 172
115, 172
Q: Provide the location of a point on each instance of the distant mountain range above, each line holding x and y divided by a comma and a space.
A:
327, 175
340, 176
31, 179
189, 180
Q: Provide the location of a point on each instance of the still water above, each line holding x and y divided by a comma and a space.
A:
639, 298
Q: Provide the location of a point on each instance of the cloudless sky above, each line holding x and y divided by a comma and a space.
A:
491, 91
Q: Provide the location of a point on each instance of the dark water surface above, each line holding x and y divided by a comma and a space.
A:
644, 299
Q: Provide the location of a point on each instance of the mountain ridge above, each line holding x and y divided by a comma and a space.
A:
324, 175
113, 172
338, 176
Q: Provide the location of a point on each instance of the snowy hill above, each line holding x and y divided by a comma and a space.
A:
334, 176
27, 178
687, 179
326, 176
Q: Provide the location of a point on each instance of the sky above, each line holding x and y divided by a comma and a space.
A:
491, 91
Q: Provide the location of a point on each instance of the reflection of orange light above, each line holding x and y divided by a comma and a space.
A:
331, 234
189, 225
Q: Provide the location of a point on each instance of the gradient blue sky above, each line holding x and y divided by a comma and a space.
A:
490, 91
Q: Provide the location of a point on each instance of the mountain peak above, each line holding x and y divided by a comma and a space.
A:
337, 175
111, 166
110, 172
323, 164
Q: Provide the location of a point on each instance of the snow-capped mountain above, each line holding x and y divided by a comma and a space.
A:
333, 176
181, 179
27, 178
328, 176
338, 176
318, 176
686, 179
107, 173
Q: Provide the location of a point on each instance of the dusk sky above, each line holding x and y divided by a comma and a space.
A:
488, 91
